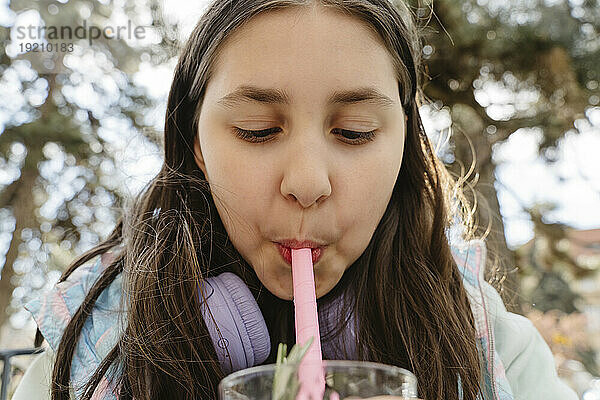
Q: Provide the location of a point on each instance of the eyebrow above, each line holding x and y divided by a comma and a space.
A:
249, 93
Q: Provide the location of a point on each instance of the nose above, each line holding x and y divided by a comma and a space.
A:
306, 170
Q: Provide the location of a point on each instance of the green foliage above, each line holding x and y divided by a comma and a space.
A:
524, 45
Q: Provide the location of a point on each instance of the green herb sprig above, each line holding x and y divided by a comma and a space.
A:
285, 380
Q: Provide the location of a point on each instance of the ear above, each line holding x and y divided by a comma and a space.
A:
198, 155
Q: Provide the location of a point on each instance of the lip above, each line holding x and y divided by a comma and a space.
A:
286, 251
300, 244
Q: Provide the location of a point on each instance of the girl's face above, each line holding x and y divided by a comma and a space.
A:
311, 81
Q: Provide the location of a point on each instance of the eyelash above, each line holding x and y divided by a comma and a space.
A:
252, 137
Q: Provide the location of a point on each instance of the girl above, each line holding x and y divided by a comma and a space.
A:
290, 123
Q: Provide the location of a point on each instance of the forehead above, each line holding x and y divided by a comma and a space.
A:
309, 51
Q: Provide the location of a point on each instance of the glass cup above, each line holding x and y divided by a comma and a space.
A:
349, 379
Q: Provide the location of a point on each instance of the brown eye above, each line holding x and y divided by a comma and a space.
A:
254, 136
357, 137
352, 137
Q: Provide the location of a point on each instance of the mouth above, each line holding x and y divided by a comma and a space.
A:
286, 252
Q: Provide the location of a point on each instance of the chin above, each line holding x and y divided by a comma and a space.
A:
288, 294
282, 293
280, 287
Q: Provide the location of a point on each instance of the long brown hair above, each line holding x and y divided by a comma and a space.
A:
408, 292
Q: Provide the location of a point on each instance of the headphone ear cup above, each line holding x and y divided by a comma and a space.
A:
237, 328
343, 345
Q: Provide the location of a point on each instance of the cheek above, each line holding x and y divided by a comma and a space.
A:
242, 202
367, 195
236, 175
370, 187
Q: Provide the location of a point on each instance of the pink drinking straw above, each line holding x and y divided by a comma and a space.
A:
310, 373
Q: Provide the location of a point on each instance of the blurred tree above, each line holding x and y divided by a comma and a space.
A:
68, 102
499, 66
551, 261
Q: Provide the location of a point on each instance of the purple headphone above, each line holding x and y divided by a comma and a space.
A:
244, 331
